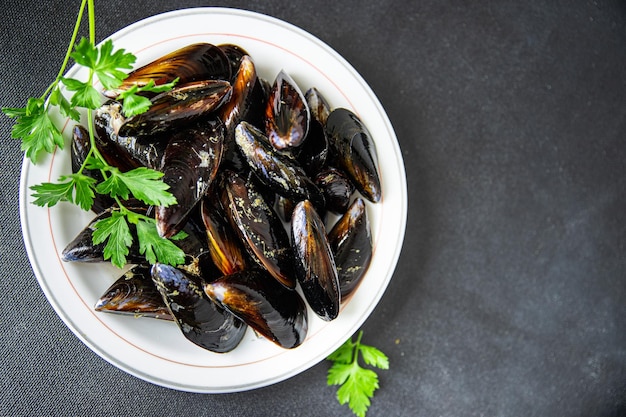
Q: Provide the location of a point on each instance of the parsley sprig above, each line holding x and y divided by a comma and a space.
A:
38, 133
357, 383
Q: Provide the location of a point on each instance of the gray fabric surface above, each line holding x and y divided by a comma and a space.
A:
508, 299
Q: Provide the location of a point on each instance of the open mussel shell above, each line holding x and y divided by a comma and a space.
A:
177, 107
189, 165
273, 311
225, 246
146, 151
134, 294
195, 62
275, 170
355, 151
351, 242
315, 266
259, 227
337, 189
201, 321
82, 248
286, 113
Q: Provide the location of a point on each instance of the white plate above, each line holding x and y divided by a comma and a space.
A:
155, 350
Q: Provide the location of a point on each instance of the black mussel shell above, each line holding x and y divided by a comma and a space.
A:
247, 102
234, 53
189, 165
80, 149
351, 242
273, 311
259, 227
82, 248
184, 104
194, 244
355, 151
201, 321
147, 151
275, 170
135, 294
318, 105
286, 114
225, 247
107, 120
195, 62
315, 266
313, 153
81, 145
284, 208
337, 189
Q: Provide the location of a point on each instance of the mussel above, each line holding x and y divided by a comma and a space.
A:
337, 189
147, 152
225, 247
135, 294
313, 152
286, 113
277, 171
201, 321
355, 151
259, 227
189, 165
275, 312
351, 242
184, 104
235, 54
195, 62
315, 265
318, 105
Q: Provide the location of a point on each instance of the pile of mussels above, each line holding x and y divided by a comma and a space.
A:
256, 168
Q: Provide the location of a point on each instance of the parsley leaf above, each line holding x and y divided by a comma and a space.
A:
133, 103
77, 188
154, 247
357, 383
85, 95
66, 108
115, 231
49, 194
142, 182
35, 128
106, 64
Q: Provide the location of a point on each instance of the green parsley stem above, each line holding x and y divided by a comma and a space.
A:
355, 358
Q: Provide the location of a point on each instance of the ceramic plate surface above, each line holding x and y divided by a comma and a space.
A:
155, 350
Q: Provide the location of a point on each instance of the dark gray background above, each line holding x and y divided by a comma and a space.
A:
508, 299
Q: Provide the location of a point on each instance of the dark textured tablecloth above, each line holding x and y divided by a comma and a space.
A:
509, 295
